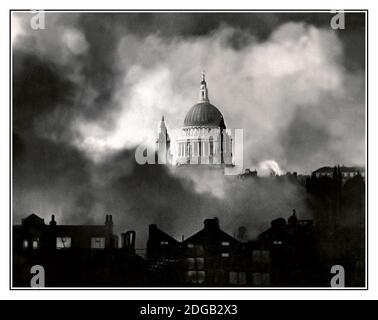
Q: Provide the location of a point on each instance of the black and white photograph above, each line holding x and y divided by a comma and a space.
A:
190, 149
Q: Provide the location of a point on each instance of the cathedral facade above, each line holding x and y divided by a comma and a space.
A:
203, 138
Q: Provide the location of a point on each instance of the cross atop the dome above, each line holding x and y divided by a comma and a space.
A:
204, 97
203, 77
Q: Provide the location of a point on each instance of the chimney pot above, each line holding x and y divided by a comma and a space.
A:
212, 223
53, 222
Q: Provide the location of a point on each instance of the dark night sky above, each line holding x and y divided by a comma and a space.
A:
90, 86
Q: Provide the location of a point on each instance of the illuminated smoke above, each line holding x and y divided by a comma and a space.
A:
269, 168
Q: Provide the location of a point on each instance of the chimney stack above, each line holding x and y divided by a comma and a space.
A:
212, 223
53, 222
109, 220
128, 240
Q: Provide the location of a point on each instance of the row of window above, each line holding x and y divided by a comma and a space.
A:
195, 276
191, 245
195, 263
259, 256
234, 277
344, 174
34, 244
198, 263
223, 243
65, 243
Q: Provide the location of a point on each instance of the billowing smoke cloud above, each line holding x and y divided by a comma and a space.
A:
90, 88
293, 79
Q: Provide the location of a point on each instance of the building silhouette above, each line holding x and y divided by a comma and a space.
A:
74, 255
281, 256
88, 255
292, 248
293, 252
344, 172
338, 203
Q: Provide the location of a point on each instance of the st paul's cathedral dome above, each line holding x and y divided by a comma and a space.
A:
204, 138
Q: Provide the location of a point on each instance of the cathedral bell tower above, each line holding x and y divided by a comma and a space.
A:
163, 144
